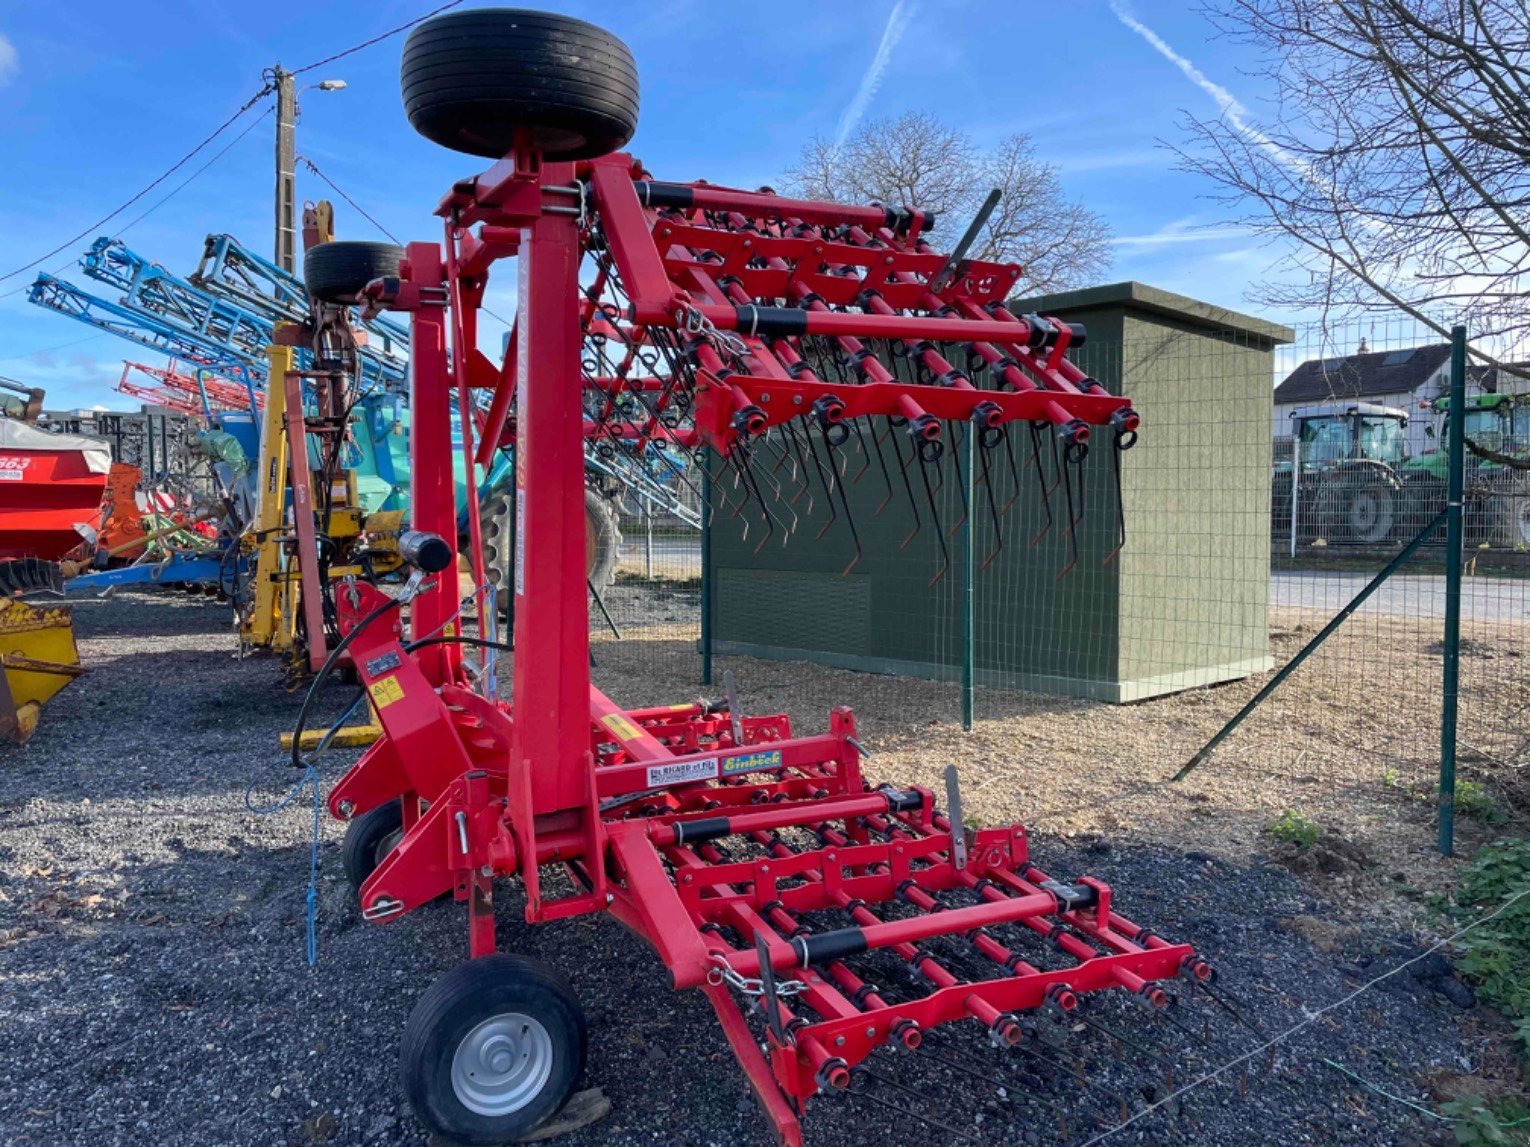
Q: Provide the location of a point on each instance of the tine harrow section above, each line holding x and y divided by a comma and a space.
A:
758, 863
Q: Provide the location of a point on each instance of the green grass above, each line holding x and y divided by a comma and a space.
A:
1292, 826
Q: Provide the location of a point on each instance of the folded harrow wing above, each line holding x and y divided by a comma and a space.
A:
762, 866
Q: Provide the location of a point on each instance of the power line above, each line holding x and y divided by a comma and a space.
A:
123, 230
313, 167
376, 39
166, 174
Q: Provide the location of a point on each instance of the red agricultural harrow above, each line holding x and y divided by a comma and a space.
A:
761, 865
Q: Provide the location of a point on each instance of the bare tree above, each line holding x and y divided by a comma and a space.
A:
916, 161
1396, 153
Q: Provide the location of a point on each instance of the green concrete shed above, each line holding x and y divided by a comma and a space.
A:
1184, 604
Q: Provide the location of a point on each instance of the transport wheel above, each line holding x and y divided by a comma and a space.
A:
492, 1049
471, 79
368, 840
602, 539
337, 272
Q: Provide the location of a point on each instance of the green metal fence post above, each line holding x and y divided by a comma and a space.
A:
706, 567
969, 654
1453, 539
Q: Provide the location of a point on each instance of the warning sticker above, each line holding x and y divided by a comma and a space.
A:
681, 771
385, 692
752, 763
623, 729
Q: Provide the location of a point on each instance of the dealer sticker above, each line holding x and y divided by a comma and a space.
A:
681, 772
752, 763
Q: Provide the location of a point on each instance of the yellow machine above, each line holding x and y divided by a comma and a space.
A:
40, 657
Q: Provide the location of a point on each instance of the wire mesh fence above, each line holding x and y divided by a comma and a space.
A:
1114, 612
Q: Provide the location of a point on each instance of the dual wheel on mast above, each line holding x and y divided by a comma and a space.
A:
495, 1046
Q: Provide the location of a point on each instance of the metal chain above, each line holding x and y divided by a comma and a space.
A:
723, 973
693, 322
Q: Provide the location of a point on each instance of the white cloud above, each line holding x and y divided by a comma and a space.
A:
897, 22
1177, 232
10, 63
1232, 109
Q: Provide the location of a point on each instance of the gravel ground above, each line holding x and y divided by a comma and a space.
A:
154, 989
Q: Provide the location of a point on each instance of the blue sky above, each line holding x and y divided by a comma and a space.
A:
98, 106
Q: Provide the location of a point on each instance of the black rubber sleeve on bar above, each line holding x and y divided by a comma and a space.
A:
909, 801
655, 194
771, 321
696, 831
834, 945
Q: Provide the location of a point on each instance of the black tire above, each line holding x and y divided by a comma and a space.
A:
337, 272
369, 838
492, 989
1508, 513
602, 539
470, 79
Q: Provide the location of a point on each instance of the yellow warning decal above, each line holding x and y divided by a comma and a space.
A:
385, 692
683, 708
449, 630
624, 729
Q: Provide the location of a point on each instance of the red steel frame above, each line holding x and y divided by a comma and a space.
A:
632, 804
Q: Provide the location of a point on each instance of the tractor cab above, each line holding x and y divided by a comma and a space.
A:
1329, 435
1342, 483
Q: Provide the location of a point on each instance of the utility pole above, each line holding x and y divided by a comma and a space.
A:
286, 169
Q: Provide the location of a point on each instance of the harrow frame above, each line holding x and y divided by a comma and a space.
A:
643, 808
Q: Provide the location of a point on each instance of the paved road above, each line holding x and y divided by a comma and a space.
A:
1482, 598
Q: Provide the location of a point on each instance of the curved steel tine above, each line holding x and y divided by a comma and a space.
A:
929, 496
909, 489
886, 474
1115, 465
958, 440
844, 501
807, 487
1046, 495
993, 510
1069, 533
823, 480
855, 425
1014, 471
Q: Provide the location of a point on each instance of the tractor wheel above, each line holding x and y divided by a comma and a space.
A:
492, 1049
368, 840
1509, 514
1361, 511
337, 272
472, 79
602, 539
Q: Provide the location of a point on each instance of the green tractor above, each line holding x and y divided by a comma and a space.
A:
1343, 479
1497, 504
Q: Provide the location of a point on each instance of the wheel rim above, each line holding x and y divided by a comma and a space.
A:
502, 1064
1370, 515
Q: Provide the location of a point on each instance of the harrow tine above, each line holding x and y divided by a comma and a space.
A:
855, 426
844, 499
929, 494
1115, 466
1164, 1015
1071, 533
886, 476
993, 510
1127, 1041
823, 479
908, 487
807, 488
1041, 477
1227, 1005
1014, 471
1027, 1094
886, 1081
1076, 1074
957, 440
780, 498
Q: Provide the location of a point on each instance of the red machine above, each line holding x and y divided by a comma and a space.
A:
761, 865
49, 483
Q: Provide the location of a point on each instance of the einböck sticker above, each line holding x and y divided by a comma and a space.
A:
681, 772
752, 763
